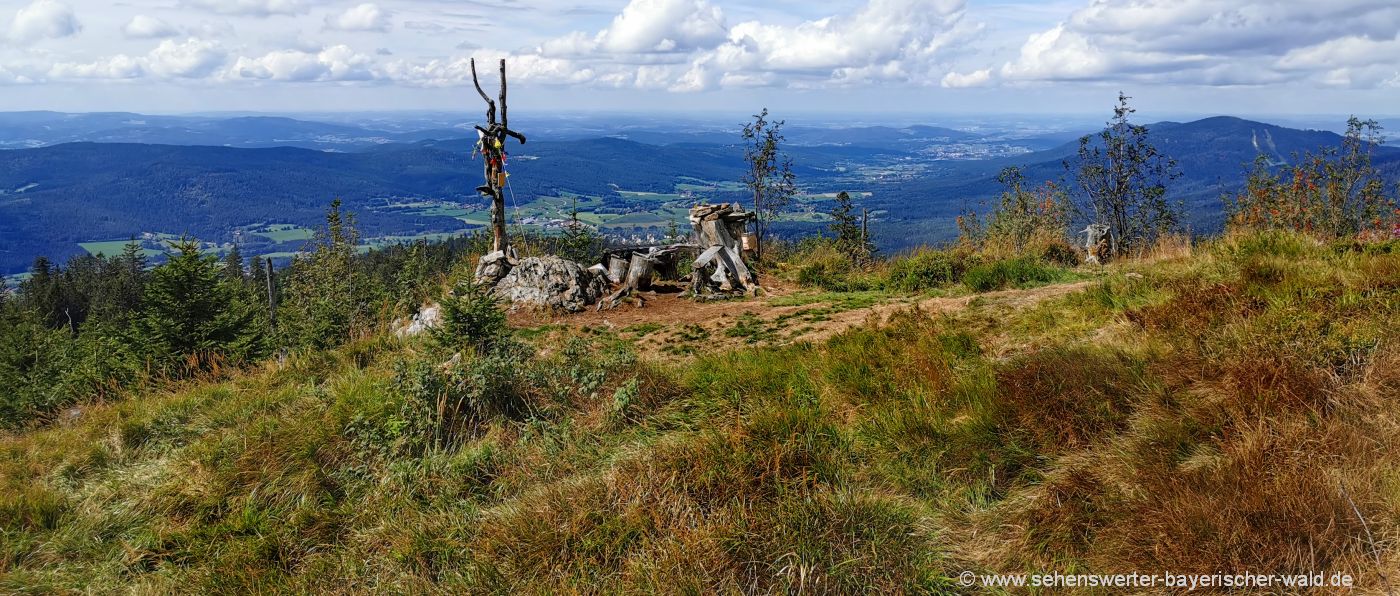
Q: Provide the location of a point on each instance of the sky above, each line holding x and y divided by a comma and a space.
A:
874, 56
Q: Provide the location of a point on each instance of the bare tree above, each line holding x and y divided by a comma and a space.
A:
770, 176
1123, 179
491, 145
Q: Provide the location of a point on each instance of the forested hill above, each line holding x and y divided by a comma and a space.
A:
1213, 156
52, 198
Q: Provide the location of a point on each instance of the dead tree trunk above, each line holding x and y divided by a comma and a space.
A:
639, 272
492, 147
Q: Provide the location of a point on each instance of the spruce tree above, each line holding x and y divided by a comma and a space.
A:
190, 308
325, 295
846, 227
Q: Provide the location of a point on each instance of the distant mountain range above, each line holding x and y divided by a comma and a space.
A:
96, 177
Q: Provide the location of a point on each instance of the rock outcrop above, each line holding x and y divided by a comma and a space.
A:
551, 282
426, 319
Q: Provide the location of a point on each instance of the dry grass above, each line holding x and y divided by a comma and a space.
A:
1231, 409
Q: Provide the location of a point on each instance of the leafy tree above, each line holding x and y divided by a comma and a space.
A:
326, 297
1123, 180
1334, 193
1026, 218
769, 174
848, 230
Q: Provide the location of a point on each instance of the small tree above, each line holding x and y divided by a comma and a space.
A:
1123, 181
580, 242
191, 308
847, 228
1334, 193
325, 296
1027, 217
769, 175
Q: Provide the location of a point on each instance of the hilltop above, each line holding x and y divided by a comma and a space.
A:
1218, 408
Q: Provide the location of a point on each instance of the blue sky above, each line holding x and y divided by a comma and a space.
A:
904, 56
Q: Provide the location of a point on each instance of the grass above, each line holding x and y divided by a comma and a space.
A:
112, 248
1228, 409
280, 233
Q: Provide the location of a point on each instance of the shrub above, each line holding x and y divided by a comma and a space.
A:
923, 270
1058, 252
1009, 272
823, 266
443, 404
471, 318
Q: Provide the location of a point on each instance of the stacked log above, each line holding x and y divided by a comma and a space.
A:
719, 230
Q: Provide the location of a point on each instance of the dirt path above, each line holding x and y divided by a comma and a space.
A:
666, 323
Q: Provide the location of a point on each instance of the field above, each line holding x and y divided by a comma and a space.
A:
280, 233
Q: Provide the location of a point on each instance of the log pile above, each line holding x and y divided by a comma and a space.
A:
721, 233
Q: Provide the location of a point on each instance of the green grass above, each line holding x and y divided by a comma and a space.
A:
112, 248
1206, 413
280, 233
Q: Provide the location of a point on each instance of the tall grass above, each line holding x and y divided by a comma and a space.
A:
1228, 410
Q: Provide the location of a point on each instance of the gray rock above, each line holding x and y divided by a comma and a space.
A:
551, 282
493, 267
429, 317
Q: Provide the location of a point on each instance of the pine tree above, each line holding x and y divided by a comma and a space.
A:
233, 264
41, 293
580, 242
325, 297
191, 308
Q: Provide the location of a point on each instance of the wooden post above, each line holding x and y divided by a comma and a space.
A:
498, 201
271, 296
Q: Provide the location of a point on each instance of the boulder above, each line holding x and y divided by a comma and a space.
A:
429, 317
551, 282
493, 267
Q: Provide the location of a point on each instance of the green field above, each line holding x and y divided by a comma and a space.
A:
280, 233
112, 248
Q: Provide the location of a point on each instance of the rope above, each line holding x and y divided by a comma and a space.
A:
519, 227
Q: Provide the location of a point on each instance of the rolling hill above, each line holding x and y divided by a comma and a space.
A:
54, 197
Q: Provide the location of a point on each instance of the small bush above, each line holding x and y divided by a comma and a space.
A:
1059, 252
1007, 273
471, 318
925, 269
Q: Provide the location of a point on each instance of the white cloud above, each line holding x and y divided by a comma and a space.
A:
336, 63
120, 66
977, 78
365, 17
44, 19
250, 8
663, 26
686, 45
1213, 42
144, 27
527, 68
189, 59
